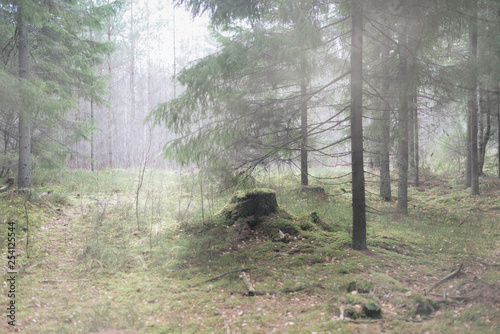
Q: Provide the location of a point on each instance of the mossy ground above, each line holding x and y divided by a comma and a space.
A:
97, 261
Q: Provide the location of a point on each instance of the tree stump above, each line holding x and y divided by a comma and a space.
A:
251, 205
319, 192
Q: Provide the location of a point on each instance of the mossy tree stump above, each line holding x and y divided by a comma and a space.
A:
250, 205
318, 192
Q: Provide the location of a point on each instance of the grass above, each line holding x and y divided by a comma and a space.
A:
95, 262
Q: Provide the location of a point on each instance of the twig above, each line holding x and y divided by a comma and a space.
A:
66, 280
441, 281
222, 275
301, 287
284, 290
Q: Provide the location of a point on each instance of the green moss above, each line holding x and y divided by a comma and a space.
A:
372, 309
424, 306
271, 225
256, 203
361, 287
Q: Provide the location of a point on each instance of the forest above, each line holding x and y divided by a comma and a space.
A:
255, 166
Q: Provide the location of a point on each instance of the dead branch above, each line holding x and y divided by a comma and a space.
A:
222, 275
285, 290
441, 281
301, 287
248, 284
66, 280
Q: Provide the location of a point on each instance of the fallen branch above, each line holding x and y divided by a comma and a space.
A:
441, 281
10, 183
66, 280
284, 290
248, 284
301, 287
222, 275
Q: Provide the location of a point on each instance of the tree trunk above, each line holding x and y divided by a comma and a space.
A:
472, 105
92, 153
411, 136
132, 155
385, 172
480, 129
174, 42
417, 146
110, 118
468, 152
484, 127
304, 173
358, 179
403, 132
498, 131
24, 167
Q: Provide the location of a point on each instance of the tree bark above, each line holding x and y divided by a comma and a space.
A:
480, 129
472, 105
417, 146
403, 131
468, 152
92, 153
304, 173
411, 136
110, 118
132, 155
358, 179
484, 127
385, 172
24, 167
498, 128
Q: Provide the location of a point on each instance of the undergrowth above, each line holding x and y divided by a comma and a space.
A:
160, 269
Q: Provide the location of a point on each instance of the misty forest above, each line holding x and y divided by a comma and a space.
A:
250, 166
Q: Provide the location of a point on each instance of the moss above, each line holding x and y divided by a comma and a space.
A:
351, 286
273, 224
372, 310
364, 286
350, 312
254, 203
424, 306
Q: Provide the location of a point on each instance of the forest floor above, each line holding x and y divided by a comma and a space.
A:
92, 257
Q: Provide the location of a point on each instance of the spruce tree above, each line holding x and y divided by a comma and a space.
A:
55, 35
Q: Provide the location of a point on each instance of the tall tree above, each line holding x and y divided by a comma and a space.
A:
304, 172
24, 169
472, 101
385, 171
358, 178
484, 126
416, 151
133, 121
264, 122
403, 127
55, 36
